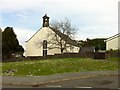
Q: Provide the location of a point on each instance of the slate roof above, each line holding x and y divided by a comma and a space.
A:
112, 37
66, 38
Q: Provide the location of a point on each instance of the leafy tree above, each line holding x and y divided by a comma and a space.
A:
10, 43
20, 49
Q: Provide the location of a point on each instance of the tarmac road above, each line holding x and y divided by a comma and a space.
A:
94, 82
73, 80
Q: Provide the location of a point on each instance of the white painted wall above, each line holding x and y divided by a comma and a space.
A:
34, 49
113, 43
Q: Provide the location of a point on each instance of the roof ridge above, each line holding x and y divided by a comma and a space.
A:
65, 37
61, 35
112, 37
34, 34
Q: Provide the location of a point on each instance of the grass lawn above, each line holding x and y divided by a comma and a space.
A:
0, 69
114, 59
53, 66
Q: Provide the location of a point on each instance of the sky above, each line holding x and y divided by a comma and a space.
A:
92, 18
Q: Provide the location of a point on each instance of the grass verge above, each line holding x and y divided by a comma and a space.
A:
53, 66
116, 59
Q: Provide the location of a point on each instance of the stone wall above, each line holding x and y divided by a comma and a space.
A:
110, 54
94, 55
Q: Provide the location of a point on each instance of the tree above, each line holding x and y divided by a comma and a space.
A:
10, 43
64, 27
64, 34
98, 43
0, 43
62, 37
20, 49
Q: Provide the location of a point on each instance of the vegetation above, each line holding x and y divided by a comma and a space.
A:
10, 43
64, 33
0, 69
53, 66
65, 28
116, 59
98, 43
0, 43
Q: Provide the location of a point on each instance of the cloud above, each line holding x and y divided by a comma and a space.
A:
94, 18
14, 5
23, 35
21, 15
81, 5
95, 32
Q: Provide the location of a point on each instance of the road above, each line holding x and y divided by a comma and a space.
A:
91, 82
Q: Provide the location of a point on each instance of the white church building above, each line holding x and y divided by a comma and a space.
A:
43, 43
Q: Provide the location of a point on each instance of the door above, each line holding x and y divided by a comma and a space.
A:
45, 48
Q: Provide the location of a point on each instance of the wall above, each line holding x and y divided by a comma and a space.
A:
87, 49
110, 54
113, 44
34, 45
94, 55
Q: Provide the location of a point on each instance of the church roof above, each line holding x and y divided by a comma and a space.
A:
63, 36
66, 38
34, 35
45, 16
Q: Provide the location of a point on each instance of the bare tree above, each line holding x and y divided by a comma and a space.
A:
62, 37
64, 33
65, 27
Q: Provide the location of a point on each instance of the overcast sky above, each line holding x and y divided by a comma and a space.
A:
93, 18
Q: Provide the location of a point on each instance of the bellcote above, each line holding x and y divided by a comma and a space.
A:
45, 21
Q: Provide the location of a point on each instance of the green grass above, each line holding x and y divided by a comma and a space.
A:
116, 59
0, 69
53, 66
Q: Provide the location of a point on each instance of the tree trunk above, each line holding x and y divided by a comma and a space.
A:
62, 50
